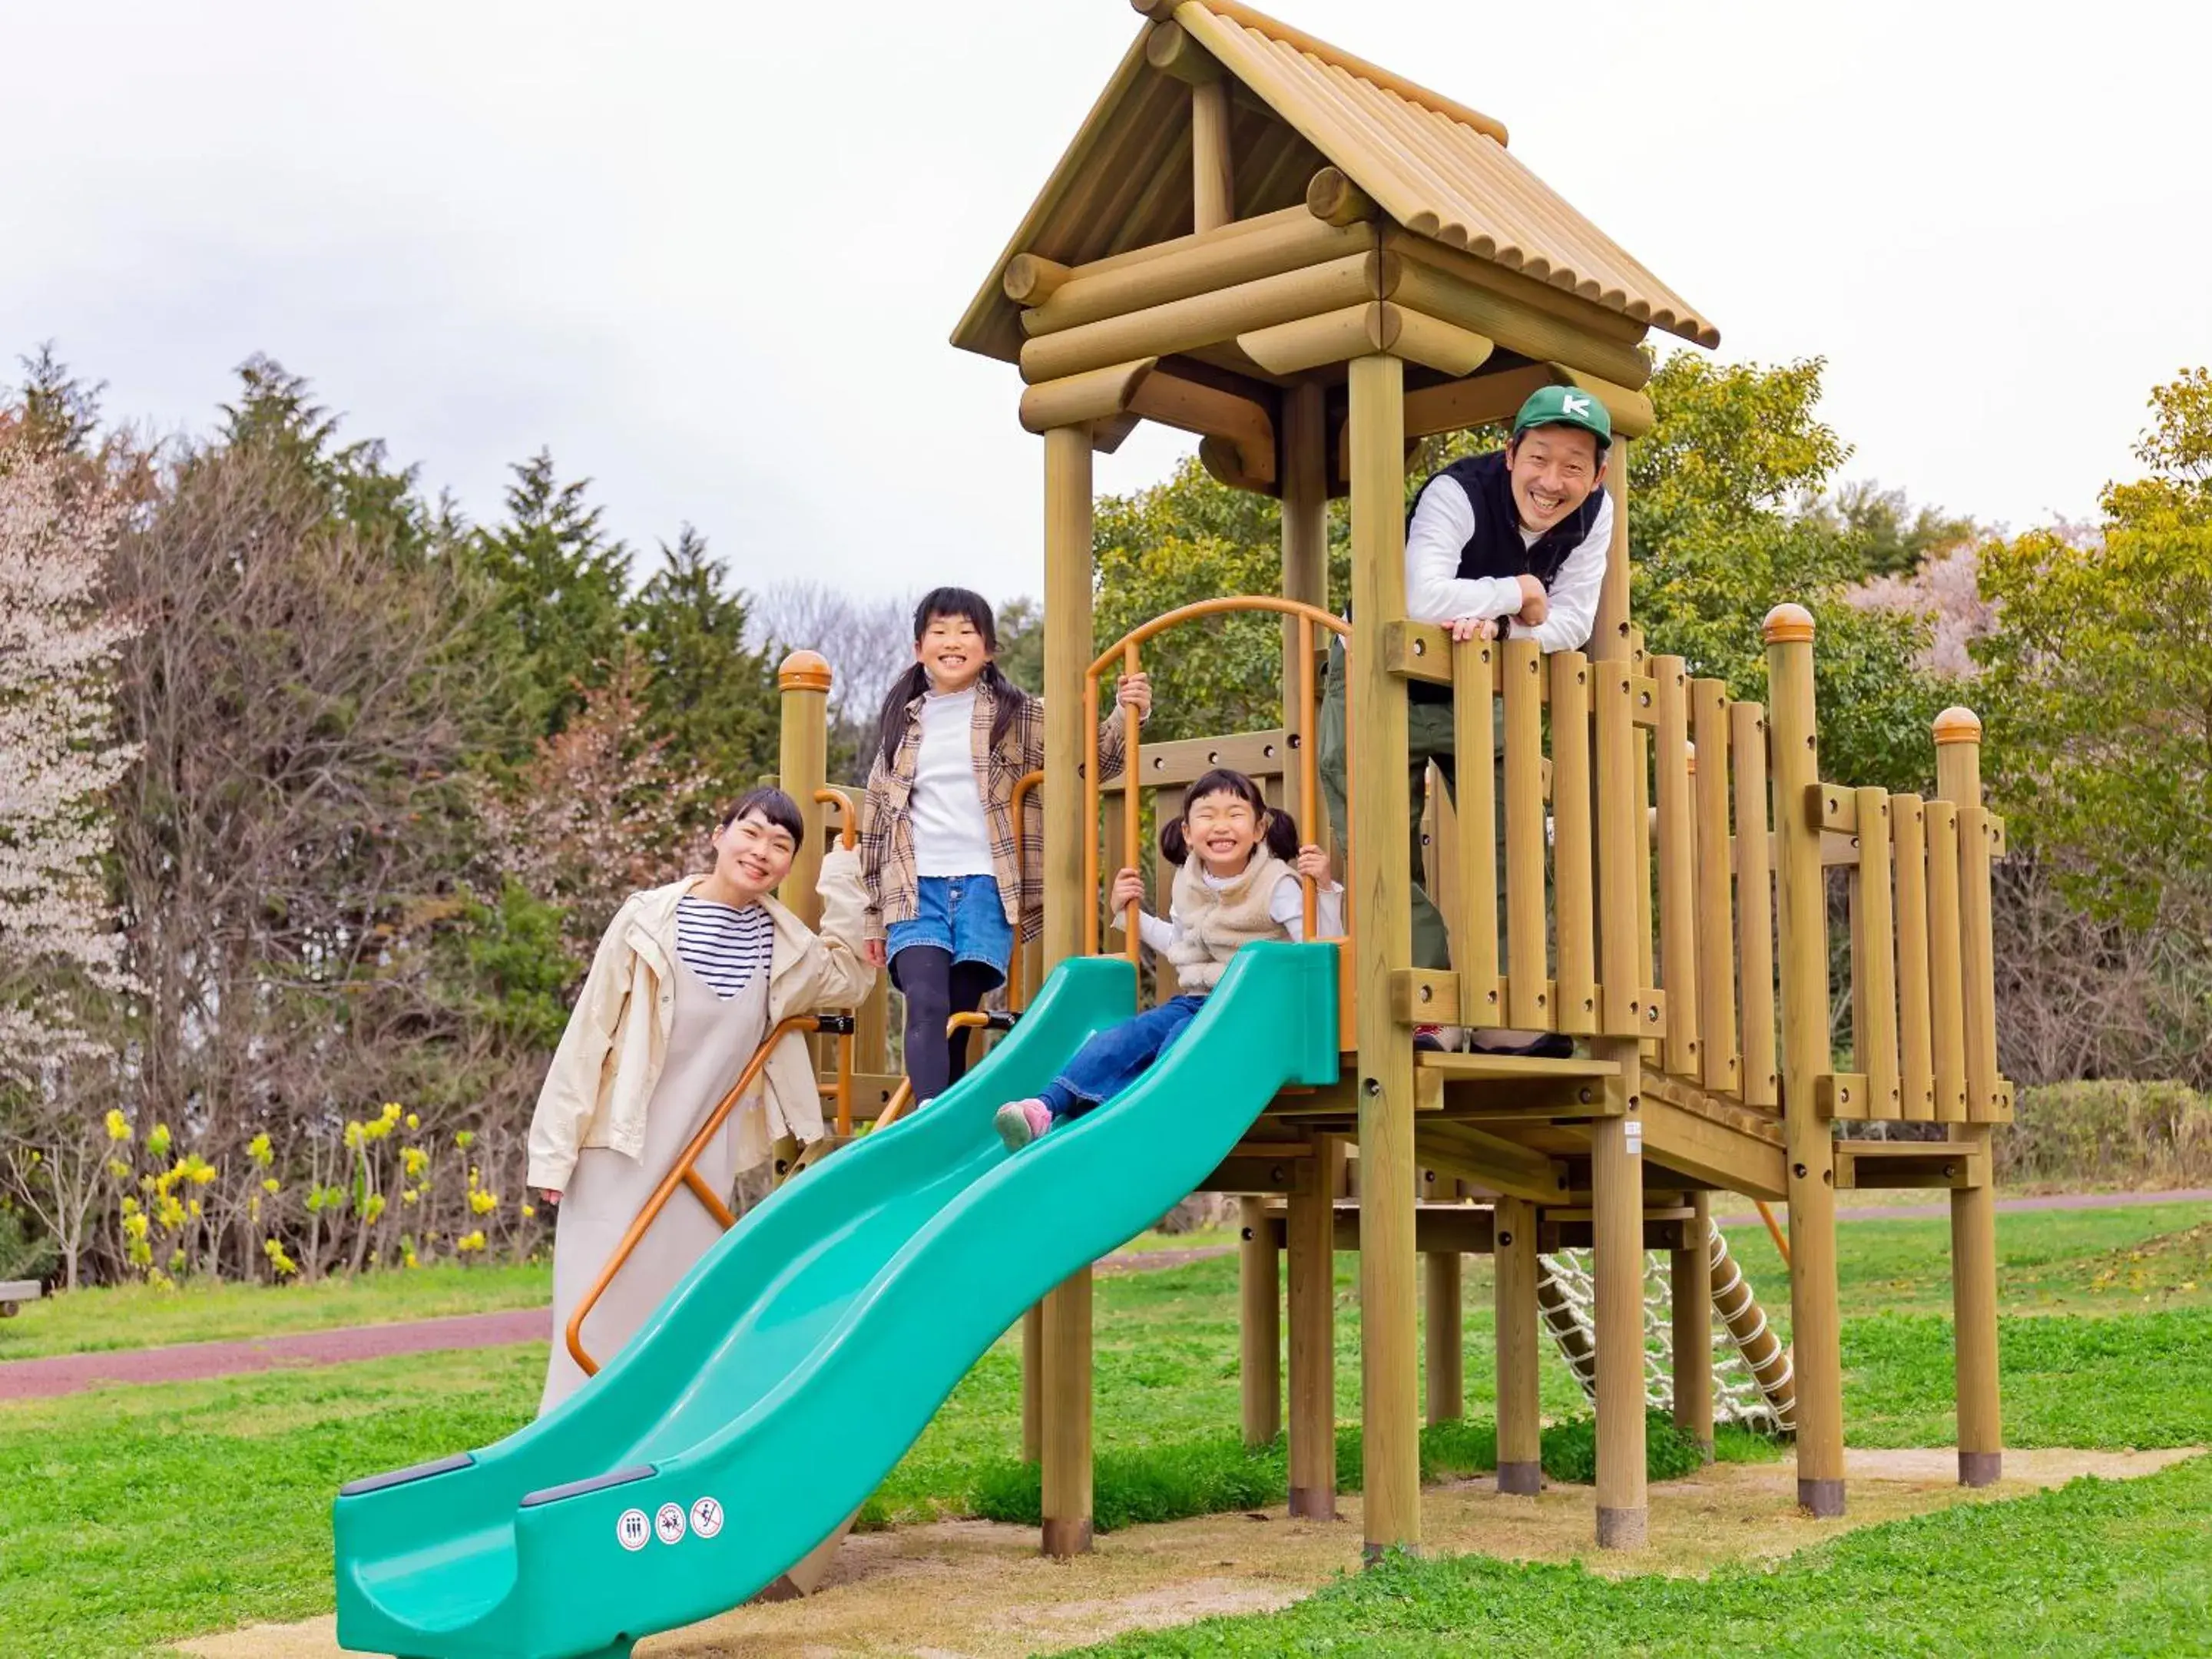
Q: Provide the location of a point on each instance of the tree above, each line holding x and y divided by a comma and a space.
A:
709, 697
2100, 677
60, 515
553, 591
869, 643
1189, 539
1893, 537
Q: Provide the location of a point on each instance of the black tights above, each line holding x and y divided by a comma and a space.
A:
936, 987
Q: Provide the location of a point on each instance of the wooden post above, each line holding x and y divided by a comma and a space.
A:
1617, 1273
1309, 1237
1033, 1382
1573, 871
1709, 713
1691, 1288
1520, 1468
1528, 999
1213, 184
1808, 1142
1381, 875
1260, 1368
1755, 897
1066, 1345
1445, 1337
1678, 915
803, 762
1973, 1209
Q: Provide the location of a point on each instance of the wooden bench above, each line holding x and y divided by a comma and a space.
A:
16, 1292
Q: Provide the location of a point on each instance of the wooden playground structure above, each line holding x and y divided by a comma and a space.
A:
1311, 262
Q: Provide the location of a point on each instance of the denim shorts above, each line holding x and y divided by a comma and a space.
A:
962, 915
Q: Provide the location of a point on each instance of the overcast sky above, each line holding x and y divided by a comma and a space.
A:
710, 253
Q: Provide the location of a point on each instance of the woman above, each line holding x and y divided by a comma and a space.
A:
687, 983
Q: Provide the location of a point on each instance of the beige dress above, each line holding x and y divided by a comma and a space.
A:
709, 1041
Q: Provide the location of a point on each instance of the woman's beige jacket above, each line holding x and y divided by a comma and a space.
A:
609, 1058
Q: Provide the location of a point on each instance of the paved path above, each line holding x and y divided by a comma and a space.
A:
192, 1362
65, 1374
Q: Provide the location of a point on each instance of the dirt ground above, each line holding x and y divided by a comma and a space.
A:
970, 1589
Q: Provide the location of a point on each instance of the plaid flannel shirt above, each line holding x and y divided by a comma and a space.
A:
887, 861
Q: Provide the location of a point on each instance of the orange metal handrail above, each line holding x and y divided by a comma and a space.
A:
1125, 651
1774, 1231
683, 1173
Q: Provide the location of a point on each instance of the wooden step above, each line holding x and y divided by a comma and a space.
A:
1868, 1164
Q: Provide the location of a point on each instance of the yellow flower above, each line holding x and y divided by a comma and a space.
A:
118, 1128
353, 1137
392, 1111
468, 1242
192, 1209
407, 1258
177, 1263
413, 1121
134, 1226
484, 1203
528, 1211
464, 1138
409, 1195
130, 1205
373, 1211
196, 1170
271, 1185
118, 1168
169, 1213
284, 1266
260, 1150
414, 1160
253, 1207
158, 1142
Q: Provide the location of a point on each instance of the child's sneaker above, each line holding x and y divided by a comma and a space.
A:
1021, 1122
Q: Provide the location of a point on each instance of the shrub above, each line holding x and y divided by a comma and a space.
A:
2131, 1134
1570, 1449
22, 1254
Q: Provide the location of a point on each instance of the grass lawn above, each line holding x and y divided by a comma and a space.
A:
144, 1316
133, 1516
2097, 1567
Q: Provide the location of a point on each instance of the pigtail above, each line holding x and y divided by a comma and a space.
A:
1282, 835
1174, 843
891, 725
1006, 697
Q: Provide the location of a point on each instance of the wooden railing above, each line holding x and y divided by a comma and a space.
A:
1639, 897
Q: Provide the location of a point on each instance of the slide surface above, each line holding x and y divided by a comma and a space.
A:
784, 1376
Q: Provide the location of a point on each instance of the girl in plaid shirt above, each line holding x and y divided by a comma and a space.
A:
951, 877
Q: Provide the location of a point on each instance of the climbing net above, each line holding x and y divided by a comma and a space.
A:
1752, 1385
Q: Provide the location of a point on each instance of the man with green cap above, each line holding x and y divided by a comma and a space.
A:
1514, 542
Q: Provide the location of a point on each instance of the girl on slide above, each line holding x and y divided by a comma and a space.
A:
1240, 881
688, 981
946, 893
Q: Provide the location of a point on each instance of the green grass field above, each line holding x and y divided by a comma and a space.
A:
131, 1516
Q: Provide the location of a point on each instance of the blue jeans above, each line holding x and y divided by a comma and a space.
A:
1118, 1057
963, 916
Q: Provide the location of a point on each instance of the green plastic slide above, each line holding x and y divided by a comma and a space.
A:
793, 1366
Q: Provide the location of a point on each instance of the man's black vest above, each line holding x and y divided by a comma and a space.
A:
1496, 548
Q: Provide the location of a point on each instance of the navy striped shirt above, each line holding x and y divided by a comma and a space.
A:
724, 946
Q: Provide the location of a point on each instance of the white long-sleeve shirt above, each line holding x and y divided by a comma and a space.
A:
1444, 524
1286, 904
951, 837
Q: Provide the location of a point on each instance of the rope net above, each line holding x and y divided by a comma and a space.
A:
1752, 1383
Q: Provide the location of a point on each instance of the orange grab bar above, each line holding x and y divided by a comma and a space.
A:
685, 1173
849, 815
1016, 991
1124, 651
1774, 1231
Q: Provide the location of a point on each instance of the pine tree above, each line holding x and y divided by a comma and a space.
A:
553, 587
710, 698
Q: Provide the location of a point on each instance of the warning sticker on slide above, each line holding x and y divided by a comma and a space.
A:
634, 1531
669, 1523
707, 1517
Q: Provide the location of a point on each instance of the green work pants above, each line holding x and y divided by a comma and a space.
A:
1428, 739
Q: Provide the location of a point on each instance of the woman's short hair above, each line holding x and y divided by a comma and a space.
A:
771, 806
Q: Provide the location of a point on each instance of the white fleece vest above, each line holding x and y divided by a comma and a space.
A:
1215, 921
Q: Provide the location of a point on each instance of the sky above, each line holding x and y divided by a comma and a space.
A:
710, 255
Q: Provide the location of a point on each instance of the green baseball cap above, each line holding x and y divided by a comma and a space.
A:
1564, 405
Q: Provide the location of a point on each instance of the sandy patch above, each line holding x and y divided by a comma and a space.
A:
970, 1589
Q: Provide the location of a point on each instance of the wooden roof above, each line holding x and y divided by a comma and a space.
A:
1437, 168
